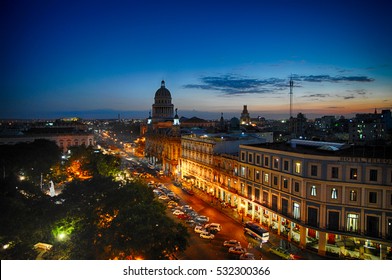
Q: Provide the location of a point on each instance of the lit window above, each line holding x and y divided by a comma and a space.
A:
296, 210
298, 167
334, 193
266, 178
352, 222
353, 195
257, 175
313, 191
353, 173
242, 171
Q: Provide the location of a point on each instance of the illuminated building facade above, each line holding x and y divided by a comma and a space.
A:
162, 134
210, 162
323, 196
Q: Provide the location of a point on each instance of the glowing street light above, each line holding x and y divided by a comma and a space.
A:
61, 236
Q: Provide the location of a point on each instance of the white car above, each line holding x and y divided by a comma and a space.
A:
199, 229
232, 243
207, 235
164, 197
186, 207
177, 212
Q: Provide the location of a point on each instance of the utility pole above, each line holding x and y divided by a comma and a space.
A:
291, 97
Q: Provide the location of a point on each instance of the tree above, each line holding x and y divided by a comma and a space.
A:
119, 222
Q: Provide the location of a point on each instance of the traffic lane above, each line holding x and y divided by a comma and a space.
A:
230, 228
199, 248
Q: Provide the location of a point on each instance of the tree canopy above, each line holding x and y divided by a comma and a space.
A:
97, 218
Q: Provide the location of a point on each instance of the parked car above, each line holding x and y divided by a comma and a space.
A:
199, 229
207, 235
213, 227
177, 212
247, 256
186, 207
192, 213
183, 216
279, 251
202, 219
237, 250
172, 204
190, 222
232, 243
164, 197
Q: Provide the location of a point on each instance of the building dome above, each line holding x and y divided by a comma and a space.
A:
162, 92
162, 107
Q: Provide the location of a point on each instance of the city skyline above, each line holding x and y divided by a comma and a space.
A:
103, 58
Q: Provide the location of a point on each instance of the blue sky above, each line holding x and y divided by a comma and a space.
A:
101, 58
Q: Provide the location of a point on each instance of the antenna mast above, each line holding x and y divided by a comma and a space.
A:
291, 97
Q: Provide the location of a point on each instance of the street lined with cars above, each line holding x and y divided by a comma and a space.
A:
195, 207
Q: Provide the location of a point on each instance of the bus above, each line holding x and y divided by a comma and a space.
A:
256, 231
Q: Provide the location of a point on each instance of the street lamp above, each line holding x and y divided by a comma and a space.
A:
212, 195
61, 236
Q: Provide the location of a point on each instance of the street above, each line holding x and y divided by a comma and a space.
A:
232, 224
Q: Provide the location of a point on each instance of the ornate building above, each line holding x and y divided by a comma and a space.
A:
330, 198
162, 109
245, 117
162, 133
210, 162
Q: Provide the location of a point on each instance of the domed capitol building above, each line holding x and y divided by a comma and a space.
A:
162, 109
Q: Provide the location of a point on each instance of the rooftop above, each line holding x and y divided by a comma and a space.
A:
329, 149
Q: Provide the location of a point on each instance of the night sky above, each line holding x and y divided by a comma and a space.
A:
96, 59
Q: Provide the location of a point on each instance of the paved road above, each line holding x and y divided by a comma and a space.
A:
232, 228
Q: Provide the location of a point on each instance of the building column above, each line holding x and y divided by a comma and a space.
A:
253, 211
302, 237
278, 224
322, 243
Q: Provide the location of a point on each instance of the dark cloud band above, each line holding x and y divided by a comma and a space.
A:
237, 85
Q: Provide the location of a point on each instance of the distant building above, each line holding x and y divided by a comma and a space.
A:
299, 125
65, 133
325, 123
370, 128
245, 117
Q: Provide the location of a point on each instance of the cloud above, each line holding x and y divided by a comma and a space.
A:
232, 85
361, 92
332, 79
316, 95
237, 85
